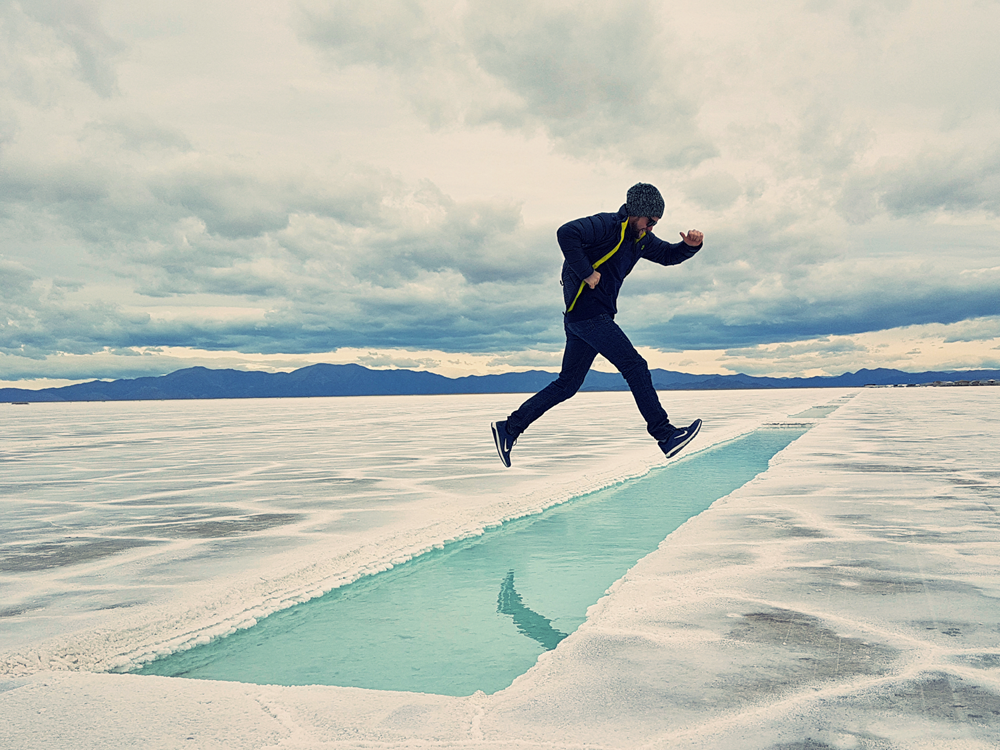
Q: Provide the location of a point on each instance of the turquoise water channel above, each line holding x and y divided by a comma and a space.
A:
477, 614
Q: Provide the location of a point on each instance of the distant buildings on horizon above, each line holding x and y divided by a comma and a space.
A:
936, 383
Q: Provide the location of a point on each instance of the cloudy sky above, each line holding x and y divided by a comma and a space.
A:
269, 184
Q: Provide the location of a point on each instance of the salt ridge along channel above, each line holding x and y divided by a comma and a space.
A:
477, 614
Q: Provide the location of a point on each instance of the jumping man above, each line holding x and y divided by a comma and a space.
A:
613, 242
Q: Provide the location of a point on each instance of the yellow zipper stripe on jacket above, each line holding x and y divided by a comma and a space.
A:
584, 283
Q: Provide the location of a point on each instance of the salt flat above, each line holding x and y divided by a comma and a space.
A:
846, 598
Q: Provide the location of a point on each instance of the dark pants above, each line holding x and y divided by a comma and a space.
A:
585, 339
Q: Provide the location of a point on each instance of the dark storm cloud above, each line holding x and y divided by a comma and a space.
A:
361, 260
776, 282
797, 319
36, 319
366, 260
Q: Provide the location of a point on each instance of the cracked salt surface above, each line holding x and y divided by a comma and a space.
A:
844, 599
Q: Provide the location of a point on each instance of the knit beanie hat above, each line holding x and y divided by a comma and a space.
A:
644, 200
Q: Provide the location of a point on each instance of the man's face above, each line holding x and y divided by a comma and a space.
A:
644, 223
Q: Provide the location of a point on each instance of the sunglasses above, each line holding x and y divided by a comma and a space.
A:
650, 222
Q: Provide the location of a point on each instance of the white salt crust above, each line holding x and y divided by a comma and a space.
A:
846, 598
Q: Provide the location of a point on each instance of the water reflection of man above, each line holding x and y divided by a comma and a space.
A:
527, 621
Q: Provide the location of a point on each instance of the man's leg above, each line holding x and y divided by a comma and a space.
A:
577, 359
604, 335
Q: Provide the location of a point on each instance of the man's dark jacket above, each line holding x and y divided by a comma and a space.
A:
585, 241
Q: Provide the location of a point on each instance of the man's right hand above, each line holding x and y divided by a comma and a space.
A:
592, 280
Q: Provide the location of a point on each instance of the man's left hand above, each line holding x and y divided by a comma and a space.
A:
693, 237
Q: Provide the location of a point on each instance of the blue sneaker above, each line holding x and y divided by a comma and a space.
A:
503, 440
681, 437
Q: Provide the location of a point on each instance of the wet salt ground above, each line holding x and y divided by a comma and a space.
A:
846, 598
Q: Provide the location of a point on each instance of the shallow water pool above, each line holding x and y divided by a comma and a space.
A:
477, 614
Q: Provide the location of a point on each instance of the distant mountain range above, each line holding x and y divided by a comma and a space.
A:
355, 380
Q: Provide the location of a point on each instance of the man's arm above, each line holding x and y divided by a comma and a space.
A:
672, 253
573, 236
